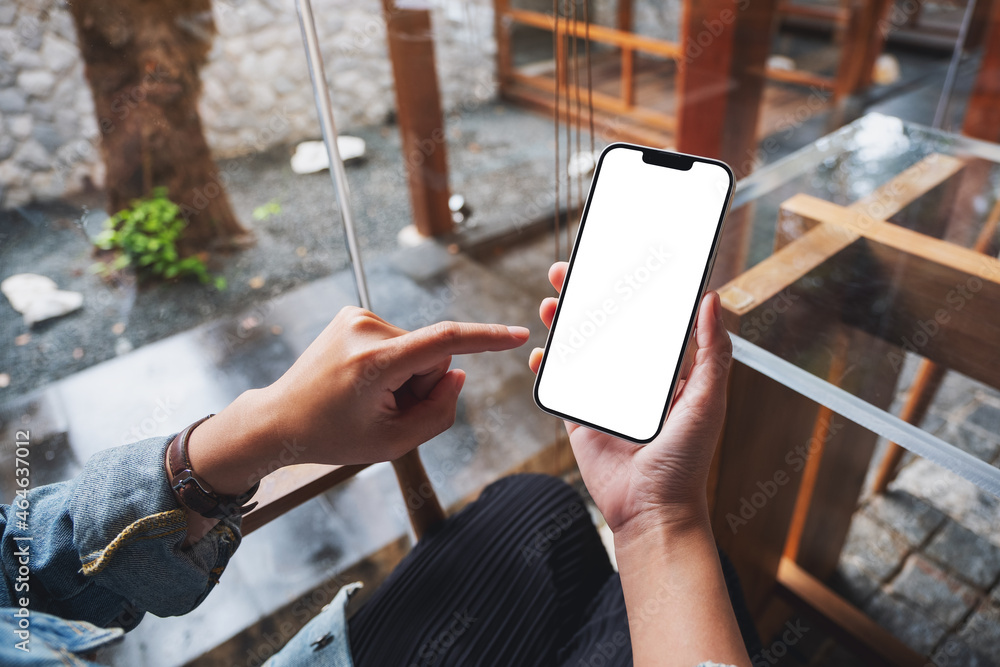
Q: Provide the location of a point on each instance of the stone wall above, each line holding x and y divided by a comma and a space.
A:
256, 86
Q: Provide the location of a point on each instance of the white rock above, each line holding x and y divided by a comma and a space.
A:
20, 126
32, 155
781, 62
310, 156
57, 53
38, 297
36, 82
886, 70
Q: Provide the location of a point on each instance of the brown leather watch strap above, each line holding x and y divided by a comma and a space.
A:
193, 492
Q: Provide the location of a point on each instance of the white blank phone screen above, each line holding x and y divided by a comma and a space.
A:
636, 277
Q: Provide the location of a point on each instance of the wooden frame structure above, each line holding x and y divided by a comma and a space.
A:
856, 28
538, 91
796, 536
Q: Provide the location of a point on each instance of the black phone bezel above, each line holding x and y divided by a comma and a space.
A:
668, 160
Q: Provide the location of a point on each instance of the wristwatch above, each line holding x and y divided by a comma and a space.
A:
193, 492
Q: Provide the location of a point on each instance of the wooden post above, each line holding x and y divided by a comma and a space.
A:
421, 123
751, 45
703, 82
628, 77
501, 28
624, 15
421, 501
982, 117
979, 25
864, 40
756, 486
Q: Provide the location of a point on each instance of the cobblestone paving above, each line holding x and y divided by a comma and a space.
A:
923, 559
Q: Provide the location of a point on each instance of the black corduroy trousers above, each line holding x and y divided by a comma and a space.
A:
518, 577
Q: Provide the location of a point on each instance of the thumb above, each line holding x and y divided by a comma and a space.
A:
706, 382
433, 415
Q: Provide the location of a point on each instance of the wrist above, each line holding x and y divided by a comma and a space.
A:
663, 524
232, 450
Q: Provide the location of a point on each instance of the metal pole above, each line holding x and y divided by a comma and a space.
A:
321, 92
956, 58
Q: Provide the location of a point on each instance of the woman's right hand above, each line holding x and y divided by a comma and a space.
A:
364, 391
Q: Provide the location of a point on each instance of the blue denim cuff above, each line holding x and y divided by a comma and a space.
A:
128, 529
323, 642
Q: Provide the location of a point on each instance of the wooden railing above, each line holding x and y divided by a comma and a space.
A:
626, 44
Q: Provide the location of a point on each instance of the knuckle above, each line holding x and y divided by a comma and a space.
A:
446, 332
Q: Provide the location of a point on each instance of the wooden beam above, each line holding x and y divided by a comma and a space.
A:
921, 247
628, 77
979, 24
889, 198
848, 624
801, 77
501, 29
767, 279
925, 385
287, 488
624, 16
874, 24
982, 115
421, 500
946, 300
703, 76
837, 15
865, 366
418, 109
609, 126
598, 33
755, 487
751, 48
602, 101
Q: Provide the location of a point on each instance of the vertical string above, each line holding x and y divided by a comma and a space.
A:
555, 57
590, 74
579, 118
568, 123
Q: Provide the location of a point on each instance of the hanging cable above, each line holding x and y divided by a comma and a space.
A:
590, 74
555, 58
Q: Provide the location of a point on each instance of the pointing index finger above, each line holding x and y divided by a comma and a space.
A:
424, 347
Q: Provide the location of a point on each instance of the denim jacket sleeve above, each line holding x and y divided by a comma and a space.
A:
105, 548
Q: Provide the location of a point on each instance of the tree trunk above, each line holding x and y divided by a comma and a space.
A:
142, 59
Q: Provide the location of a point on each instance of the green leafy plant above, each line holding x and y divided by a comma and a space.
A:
145, 238
264, 212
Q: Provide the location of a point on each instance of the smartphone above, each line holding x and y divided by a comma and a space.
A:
643, 254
